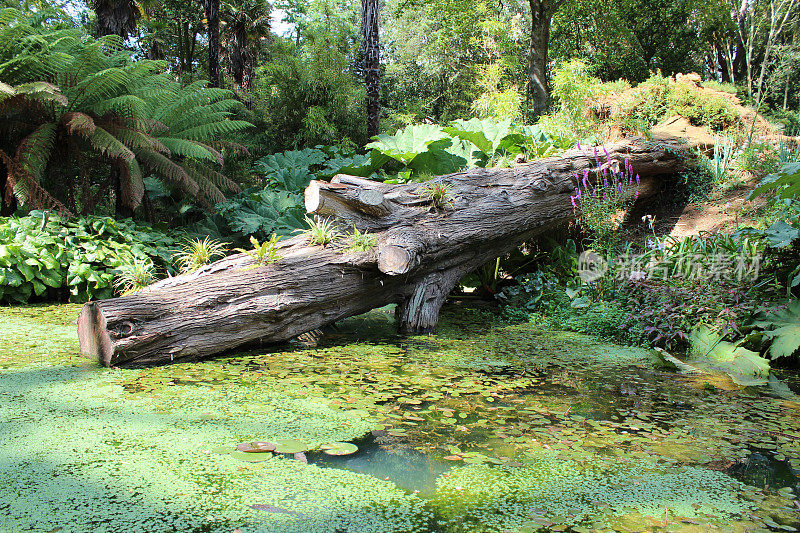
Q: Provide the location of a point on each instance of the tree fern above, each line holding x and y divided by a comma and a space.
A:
58, 83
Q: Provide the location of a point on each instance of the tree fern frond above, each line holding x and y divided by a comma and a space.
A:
27, 190
204, 131
125, 104
99, 86
169, 170
135, 139
187, 148
76, 123
34, 151
221, 181
108, 145
207, 188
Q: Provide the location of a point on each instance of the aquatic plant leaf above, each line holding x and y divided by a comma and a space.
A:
339, 448
255, 447
291, 446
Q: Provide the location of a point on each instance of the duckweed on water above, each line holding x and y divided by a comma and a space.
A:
522, 430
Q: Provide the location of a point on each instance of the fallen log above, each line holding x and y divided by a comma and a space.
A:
421, 253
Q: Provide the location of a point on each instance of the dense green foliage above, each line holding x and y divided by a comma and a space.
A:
46, 258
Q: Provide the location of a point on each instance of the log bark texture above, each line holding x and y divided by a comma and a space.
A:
421, 253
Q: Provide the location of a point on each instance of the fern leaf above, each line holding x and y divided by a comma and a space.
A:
108, 145
34, 151
169, 170
221, 181
78, 124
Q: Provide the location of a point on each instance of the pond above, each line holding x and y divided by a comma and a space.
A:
482, 427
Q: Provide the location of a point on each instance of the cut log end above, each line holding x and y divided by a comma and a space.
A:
93, 335
394, 260
312, 196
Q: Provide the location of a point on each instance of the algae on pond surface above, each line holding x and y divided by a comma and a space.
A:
500, 427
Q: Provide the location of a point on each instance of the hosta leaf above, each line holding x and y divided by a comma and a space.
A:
409, 142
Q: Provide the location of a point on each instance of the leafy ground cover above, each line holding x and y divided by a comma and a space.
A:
513, 428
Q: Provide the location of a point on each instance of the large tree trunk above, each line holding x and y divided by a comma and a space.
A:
372, 63
421, 254
212, 16
542, 12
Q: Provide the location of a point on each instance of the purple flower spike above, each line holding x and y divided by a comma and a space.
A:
572, 199
585, 173
579, 146
586, 182
619, 187
608, 157
637, 179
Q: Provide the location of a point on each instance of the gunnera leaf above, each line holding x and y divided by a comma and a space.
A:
709, 351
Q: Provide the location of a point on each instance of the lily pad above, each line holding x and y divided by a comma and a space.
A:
339, 448
256, 447
291, 446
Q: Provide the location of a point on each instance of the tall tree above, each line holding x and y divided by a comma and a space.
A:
542, 12
370, 13
247, 22
212, 19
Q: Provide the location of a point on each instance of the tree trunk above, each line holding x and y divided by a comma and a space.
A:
212, 16
8, 201
542, 12
420, 255
372, 63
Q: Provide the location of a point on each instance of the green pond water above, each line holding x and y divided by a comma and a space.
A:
482, 427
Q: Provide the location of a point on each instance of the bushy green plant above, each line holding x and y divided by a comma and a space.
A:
700, 108
321, 231
50, 258
361, 241
134, 274
263, 252
759, 159
196, 253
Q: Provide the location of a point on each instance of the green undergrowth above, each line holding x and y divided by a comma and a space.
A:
534, 429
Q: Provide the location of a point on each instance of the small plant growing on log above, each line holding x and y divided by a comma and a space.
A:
361, 242
134, 274
439, 195
195, 254
321, 231
264, 252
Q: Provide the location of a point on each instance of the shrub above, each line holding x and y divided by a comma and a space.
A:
668, 310
759, 159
